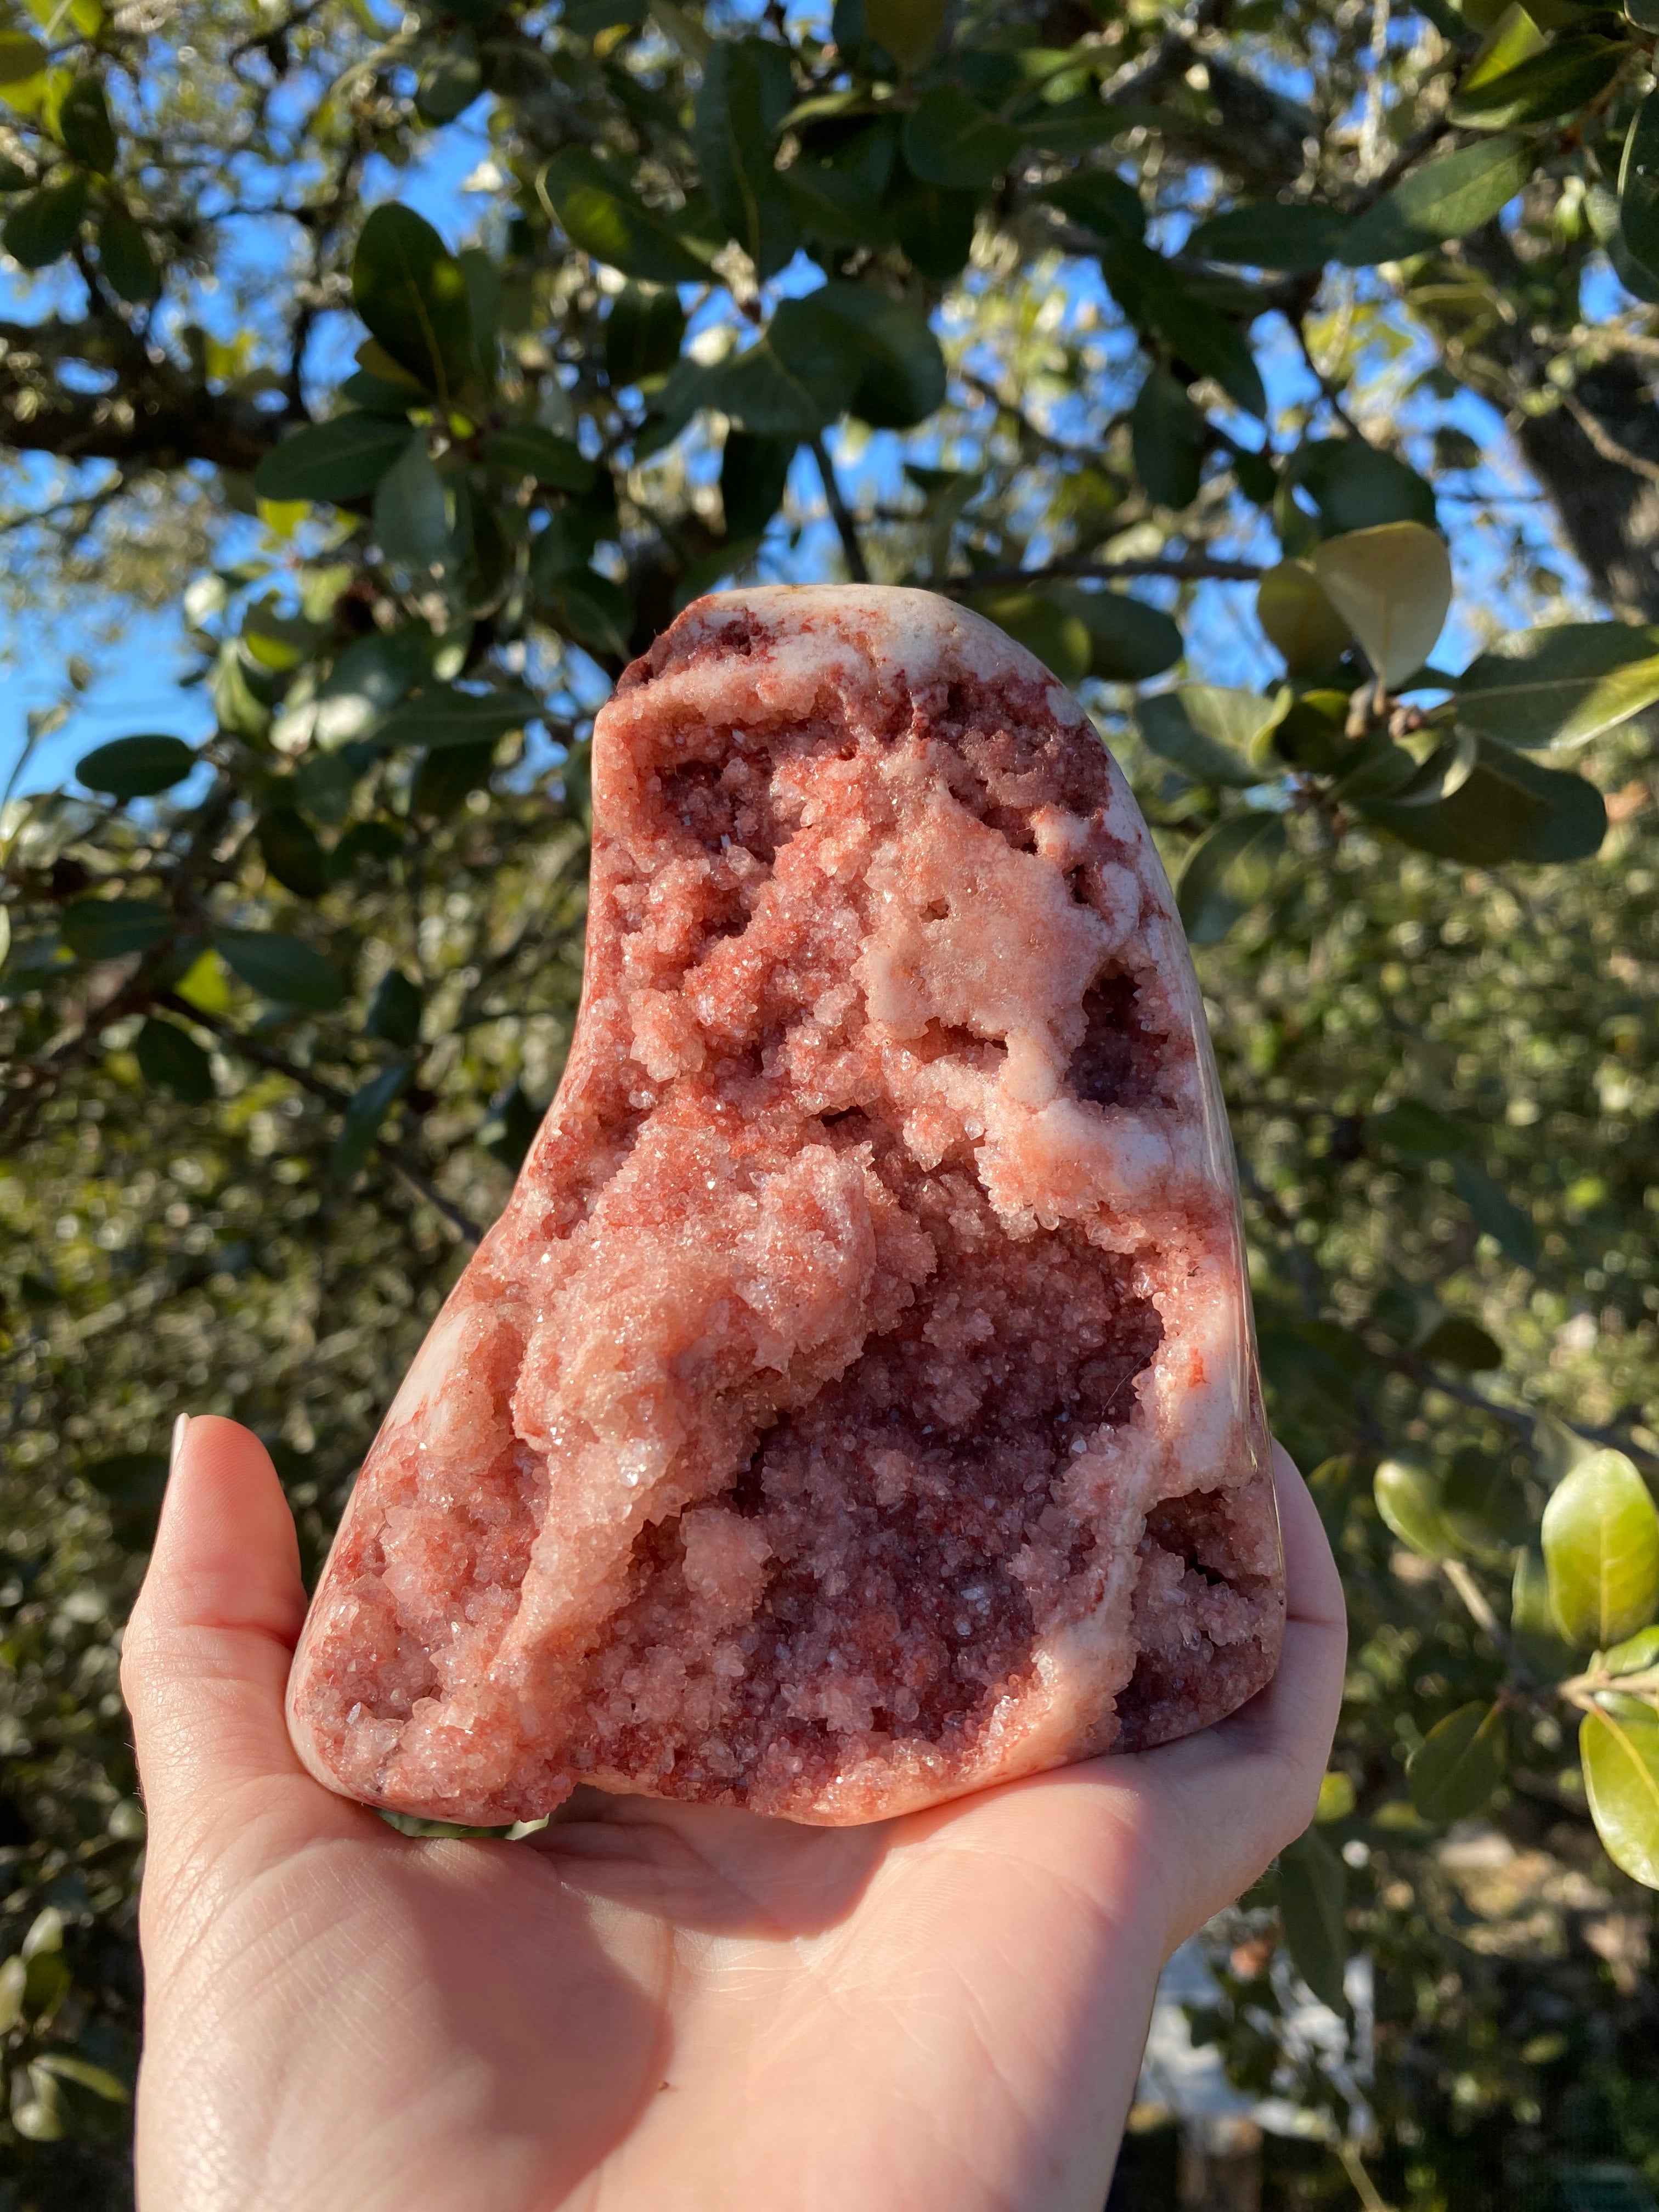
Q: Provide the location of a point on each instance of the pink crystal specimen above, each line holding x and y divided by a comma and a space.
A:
856, 1403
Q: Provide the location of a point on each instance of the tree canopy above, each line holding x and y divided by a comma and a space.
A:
1281, 375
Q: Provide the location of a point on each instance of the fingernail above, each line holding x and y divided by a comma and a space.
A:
178, 1428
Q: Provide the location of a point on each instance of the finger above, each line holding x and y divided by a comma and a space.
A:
205, 1656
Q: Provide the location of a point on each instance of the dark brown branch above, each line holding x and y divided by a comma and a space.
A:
845, 525
1185, 568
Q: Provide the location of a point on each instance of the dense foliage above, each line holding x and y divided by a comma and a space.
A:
1182, 343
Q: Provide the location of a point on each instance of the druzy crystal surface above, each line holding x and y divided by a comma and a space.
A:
855, 1404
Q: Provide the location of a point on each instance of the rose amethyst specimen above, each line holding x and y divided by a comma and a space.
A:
856, 1404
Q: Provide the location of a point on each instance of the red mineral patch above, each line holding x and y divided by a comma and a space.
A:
855, 1404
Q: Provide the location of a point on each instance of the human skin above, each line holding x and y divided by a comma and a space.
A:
650, 2004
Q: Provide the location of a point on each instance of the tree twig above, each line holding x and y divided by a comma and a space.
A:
845, 525
1185, 568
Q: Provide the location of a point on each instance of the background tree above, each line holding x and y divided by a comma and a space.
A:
1209, 344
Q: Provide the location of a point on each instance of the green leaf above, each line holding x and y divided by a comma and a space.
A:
1420, 1134
361, 1124
14, 1979
593, 610
136, 768
1128, 640
1636, 1654
1292, 235
85, 2075
284, 969
1560, 685
288, 846
527, 450
902, 377
1059, 638
1312, 1901
1532, 1624
169, 1059
21, 57
41, 228
123, 256
394, 1012
1356, 486
1496, 1214
799, 376
367, 680
1447, 197
342, 458
412, 511
1477, 802
951, 140
1566, 76
1299, 620
909, 30
1202, 339
1619, 1749
451, 80
1459, 1764
1638, 187
1600, 1538
746, 91
1455, 1341
445, 778
642, 333
599, 214
754, 472
1167, 433
443, 716
411, 292
84, 126
108, 929
1411, 1499
1229, 871
1103, 204
935, 228
1210, 734
1391, 585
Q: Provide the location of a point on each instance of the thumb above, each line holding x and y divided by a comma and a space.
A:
205, 1656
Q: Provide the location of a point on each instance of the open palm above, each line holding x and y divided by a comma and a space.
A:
671, 2006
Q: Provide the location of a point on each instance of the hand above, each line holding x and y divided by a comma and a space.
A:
671, 2006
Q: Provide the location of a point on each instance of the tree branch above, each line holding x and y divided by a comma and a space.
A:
848, 530
1185, 568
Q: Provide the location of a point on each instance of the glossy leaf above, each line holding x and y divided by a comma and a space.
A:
1600, 1538
342, 458
1455, 1341
394, 1012
1128, 640
1357, 486
1101, 202
451, 80
745, 93
124, 259
412, 511
799, 376
1562, 685
642, 333
289, 849
1496, 1214
1058, 637
1300, 622
1208, 733
283, 969
526, 449
593, 610
1459, 1764
753, 474
1296, 236
136, 768
909, 30
108, 929
1638, 187
1393, 586
1228, 871
443, 716
1447, 197
1532, 1622
1565, 77
901, 377
1618, 1750
66, 2066
84, 126
43, 226
169, 1059
935, 228
411, 292
364, 1117
951, 140
1167, 434
1635, 1655
21, 57
598, 213
1312, 1902
1410, 1499
1487, 806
